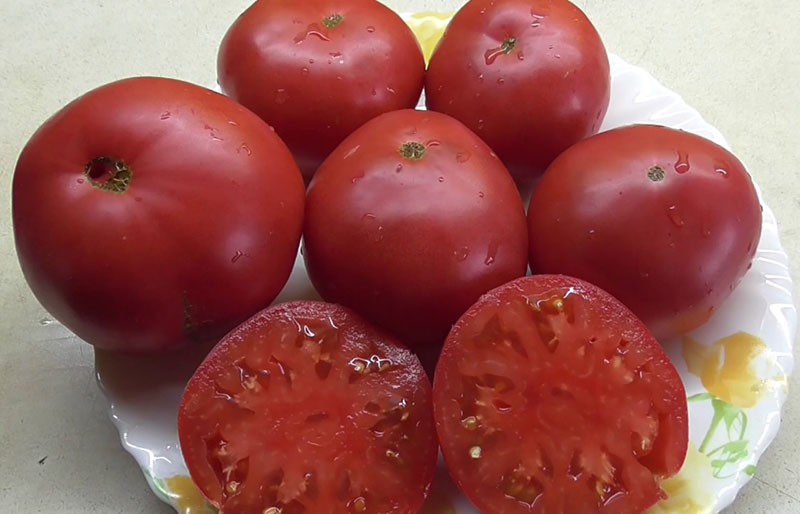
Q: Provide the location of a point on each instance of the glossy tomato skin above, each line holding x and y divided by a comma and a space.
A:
316, 70
531, 77
411, 241
198, 230
307, 405
550, 396
666, 221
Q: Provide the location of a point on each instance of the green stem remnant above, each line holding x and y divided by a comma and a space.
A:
508, 45
333, 21
109, 174
656, 174
412, 151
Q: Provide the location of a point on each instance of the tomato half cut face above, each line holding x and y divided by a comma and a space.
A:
551, 397
307, 409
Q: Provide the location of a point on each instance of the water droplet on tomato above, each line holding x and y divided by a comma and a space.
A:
281, 96
80, 181
463, 157
166, 115
491, 55
441, 179
391, 91
557, 56
682, 164
706, 231
244, 148
480, 77
491, 252
313, 29
481, 194
480, 124
304, 71
351, 152
520, 56
370, 29
45, 321
238, 255
379, 234
501, 81
398, 168
461, 254
232, 123
722, 171
675, 216
434, 142
483, 10
368, 216
536, 15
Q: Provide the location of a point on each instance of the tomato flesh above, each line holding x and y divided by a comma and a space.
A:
551, 397
305, 408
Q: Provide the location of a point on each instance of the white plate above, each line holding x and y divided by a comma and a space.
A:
735, 368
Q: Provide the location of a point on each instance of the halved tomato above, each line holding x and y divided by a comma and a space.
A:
551, 397
305, 408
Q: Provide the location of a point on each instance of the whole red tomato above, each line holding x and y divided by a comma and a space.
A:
409, 221
150, 212
531, 77
665, 220
551, 397
318, 69
306, 408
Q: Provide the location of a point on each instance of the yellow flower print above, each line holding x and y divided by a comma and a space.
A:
186, 496
690, 491
727, 369
428, 27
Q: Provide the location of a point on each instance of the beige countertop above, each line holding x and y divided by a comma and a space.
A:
736, 61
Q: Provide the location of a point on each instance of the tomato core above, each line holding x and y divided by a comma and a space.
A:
412, 151
109, 174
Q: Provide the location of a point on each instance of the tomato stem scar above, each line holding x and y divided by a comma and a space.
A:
656, 174
412, 151
333, 21
108, 174
508, 45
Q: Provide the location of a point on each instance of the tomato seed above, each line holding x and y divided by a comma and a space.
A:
475, 452
470, 423
323, 369
359, 504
